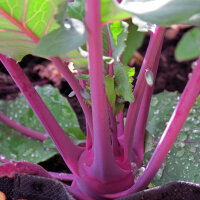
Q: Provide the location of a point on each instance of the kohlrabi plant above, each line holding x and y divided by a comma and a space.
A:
99, 37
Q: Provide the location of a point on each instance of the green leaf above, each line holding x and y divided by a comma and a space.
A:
143, 26
83, 77
118, 32
133, 42
123, 85
62, 40
76, 9
61, 13
110, 12
165, 12
148, 142
193, 20
182, 162
80, 62
25, 23
110, 90
16, 147
189, 46
105, 37
118, 108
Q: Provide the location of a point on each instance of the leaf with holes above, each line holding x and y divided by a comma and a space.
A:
16, 147
183, 160
23, 23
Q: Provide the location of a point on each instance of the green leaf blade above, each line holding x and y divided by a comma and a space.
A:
76, 9
16, 147
59, 41
165, 12
189, 46
182, 162
110, 12
118, 32
123, 85
133, 42
110, 90
29, 20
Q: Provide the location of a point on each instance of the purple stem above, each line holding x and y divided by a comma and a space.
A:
67, 149
73, 82
170, 133
62, 176
120, 126
22, 129
139, 132
104, 165
153, 47
113, 128
112, 118
14, 87
11, 168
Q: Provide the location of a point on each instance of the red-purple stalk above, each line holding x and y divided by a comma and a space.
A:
102, 148
62, 176
22, 129
120, 125
154, 44
170, 133
98, 165
139, 132
74, 84
67, 149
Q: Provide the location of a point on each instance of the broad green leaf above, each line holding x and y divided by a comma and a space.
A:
23, 23
118, 32
189, 46
16, 147
182, 162
123, 85
76, 9
62, 40
110, 12
165, 12
133, 42
110, 90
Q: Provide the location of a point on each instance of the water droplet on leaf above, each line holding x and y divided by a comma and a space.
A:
67, 24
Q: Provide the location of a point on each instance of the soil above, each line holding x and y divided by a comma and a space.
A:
172, 75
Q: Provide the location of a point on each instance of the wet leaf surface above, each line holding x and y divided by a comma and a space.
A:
16, 147
183, 160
